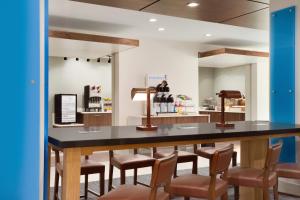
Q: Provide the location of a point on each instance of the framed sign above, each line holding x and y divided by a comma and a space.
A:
65, 108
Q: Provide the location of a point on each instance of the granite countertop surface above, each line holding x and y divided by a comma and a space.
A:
124, 135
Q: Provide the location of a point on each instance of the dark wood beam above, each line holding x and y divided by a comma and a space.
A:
93, 38
233, 51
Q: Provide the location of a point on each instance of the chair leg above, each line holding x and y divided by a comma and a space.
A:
110, 179
86, 185
275, 191
102, 182
122, 176
266, 195
224, 196
175, 171
56, 182
195, 167
234, 159
135, 171
236, 193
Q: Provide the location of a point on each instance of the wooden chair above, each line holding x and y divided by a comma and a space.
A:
127, 162
258, 178
207, 151
210, 187
161, 177
288, 170
183, 157
87, 167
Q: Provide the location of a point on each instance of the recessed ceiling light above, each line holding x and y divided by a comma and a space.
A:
192, 4
152, 20
161, 29
208, 35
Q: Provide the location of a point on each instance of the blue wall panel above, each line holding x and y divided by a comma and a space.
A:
46, 103
282, 72
19, 82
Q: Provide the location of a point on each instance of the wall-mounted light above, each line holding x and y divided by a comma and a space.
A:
98, 60
88, 60
77, 59
65, 58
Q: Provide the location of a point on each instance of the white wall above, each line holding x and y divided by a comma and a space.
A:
206, 83
231, 78
177, 60
260, 90
71, 76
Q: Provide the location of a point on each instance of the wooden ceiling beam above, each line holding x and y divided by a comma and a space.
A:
93, 38
233, 51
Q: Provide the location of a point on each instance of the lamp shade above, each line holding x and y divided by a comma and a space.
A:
140, 94
230, 94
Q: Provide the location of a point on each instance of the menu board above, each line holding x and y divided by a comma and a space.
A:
152, 80
68, 108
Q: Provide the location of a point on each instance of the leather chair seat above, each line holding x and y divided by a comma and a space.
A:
133, 192
183, 156
132, 161
87, 167
288, 170
195, 186
249, 177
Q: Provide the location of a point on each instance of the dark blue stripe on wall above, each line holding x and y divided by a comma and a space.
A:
20, 95
282, 72
46, 105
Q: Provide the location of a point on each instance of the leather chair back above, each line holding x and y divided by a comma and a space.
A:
163, 171
273, 157
220, 161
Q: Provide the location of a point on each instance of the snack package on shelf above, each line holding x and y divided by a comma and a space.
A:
184, 104
107, 104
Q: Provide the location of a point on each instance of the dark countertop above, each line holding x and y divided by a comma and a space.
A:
123, 135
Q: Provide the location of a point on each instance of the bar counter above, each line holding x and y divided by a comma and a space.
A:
78, 141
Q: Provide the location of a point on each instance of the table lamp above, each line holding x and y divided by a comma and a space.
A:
143, 94
226, 94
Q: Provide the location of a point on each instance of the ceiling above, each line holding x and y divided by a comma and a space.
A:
228, 60
80, 17
245, 13
102, 20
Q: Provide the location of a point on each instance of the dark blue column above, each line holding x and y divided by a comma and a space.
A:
282, 73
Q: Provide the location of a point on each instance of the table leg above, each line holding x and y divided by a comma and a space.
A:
49, 169
71, 175
253, 154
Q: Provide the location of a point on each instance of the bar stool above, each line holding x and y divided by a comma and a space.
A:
209, 187
87, 167
207, 151
127, 162
183, 157
163, 170
258, 178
